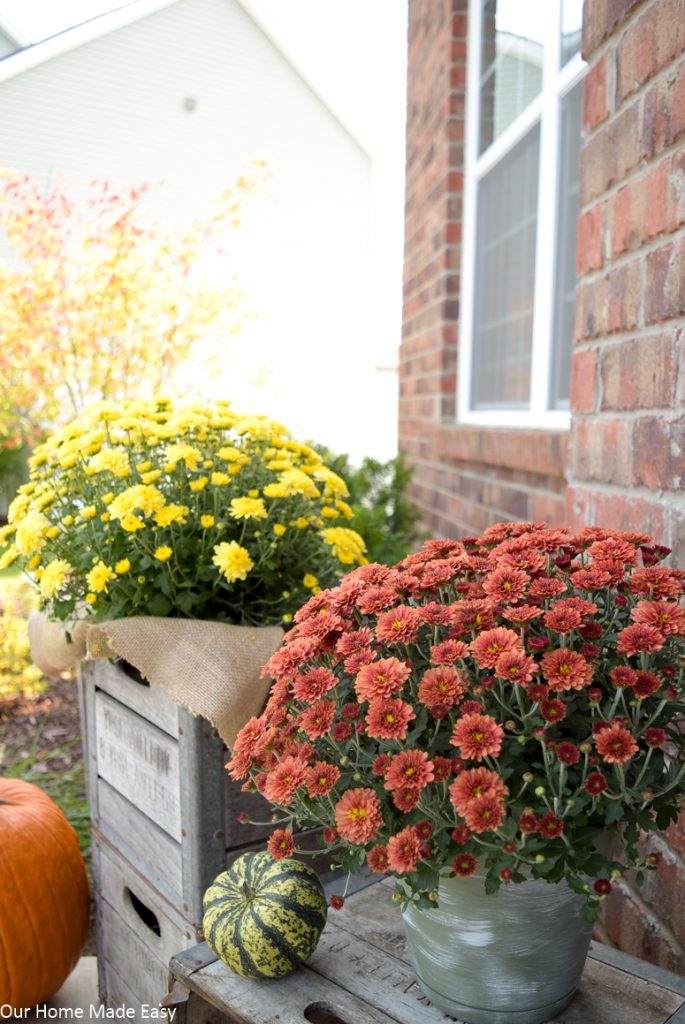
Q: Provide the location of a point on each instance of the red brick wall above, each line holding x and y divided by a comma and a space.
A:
627, 444
465, 477
625, 464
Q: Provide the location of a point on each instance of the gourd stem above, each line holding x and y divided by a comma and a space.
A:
248, 891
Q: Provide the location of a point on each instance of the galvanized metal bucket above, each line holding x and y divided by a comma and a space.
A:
513, 957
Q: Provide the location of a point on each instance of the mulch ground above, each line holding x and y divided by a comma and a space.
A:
53, 717
45, 733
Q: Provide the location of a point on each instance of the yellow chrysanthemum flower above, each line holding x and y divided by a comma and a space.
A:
99, 576
6, 531
248, 508
122, 567
228, 453
233, 560
183, 453
207, 521
44, 500
111, 460
279, 529
171, 514
164, 553
131, 523
294, 481
301, 523
221, 479
145, 497
330, 513
310, 581
91, 598
18, 508
348, 546
275, 491
53, 577
34, 562
9, 557
89, 512
199, 484
151, 476
30, 535
333, 484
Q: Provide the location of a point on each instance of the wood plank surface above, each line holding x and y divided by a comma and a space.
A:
362, 956
139, 761
118, 882
151, 702
145, 845
133, 974
286, 1001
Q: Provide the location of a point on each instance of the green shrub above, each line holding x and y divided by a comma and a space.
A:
384, 514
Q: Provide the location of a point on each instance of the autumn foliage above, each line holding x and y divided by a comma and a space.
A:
102, 302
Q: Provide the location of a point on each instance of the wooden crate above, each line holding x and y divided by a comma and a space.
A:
164, 812
138, 931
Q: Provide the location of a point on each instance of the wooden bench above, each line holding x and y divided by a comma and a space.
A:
360, 974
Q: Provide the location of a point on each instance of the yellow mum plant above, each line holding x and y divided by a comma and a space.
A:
194, 511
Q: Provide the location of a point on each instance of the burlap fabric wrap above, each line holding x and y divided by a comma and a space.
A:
210, 668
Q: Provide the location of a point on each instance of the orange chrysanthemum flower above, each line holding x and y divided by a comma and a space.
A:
358, 815
477, 736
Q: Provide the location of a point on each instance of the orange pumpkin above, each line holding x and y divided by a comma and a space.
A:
44, 898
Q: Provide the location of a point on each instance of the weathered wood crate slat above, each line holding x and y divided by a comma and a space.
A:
165, 823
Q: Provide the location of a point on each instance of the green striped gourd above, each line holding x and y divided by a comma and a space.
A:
263, 917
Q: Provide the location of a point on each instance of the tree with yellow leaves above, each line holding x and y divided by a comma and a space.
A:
102, 303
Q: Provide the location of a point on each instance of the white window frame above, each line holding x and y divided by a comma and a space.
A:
545, 109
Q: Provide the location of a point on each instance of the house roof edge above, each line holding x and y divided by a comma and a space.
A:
37, 53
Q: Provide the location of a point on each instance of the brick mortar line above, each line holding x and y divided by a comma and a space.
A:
634, 97
415, 376
616, 338
482, 478
417, 174
435, 279
513, 484
634, 255
643, 164
677, 499
439, 371
649, 912
664, 413
657, 839
422, 423
494, 509
641, 331
619, 30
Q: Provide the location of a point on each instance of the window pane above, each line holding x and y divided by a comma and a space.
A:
511, 63
562, 338
505, 276
571, 28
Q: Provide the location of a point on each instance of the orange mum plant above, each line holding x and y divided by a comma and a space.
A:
514, 699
